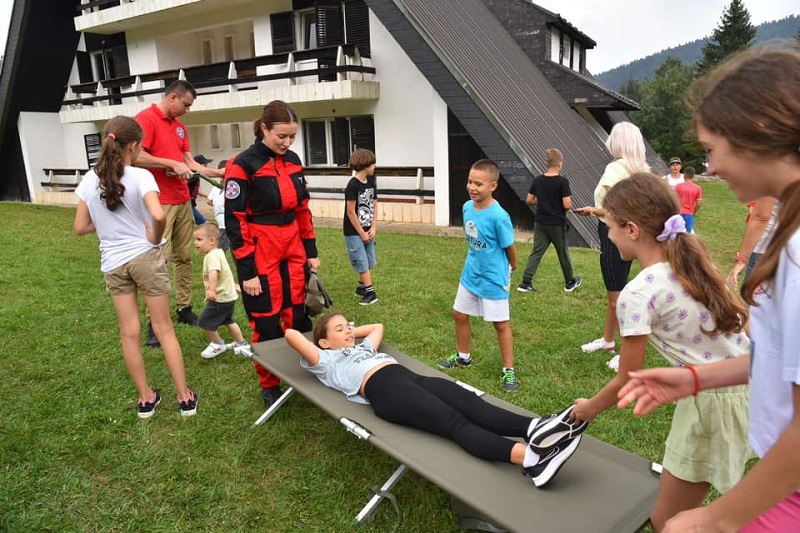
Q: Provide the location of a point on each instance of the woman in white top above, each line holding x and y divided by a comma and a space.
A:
626, 145
120, 202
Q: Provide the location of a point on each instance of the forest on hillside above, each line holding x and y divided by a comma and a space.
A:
689, 53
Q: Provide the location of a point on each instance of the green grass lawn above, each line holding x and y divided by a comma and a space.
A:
75, 457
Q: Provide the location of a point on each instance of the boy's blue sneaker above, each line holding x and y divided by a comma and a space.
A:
360, 290
146, 409
454, 361
509, 379
554, 429
551, 462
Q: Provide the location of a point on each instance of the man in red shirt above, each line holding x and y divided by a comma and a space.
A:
691, 197
167, 154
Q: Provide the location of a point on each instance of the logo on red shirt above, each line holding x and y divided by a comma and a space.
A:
180, 132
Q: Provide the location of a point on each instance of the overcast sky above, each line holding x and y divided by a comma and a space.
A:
623, 29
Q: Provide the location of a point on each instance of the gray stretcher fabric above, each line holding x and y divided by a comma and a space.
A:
601, 488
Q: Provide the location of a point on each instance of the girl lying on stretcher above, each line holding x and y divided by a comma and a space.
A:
431, 404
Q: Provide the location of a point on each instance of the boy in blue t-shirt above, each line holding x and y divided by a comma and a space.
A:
486, 277
360, 226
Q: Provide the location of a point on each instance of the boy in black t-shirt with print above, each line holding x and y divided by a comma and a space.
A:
551, 194
360, 225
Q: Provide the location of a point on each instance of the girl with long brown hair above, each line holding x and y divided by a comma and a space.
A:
748, 120
680, 305
120, 202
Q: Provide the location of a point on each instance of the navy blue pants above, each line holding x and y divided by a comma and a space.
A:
441, 407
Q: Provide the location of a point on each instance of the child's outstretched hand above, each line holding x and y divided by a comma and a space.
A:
211, 296
653, 387
584, 211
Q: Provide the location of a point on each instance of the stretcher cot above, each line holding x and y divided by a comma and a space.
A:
601, 488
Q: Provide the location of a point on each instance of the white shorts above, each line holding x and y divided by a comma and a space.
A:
491, 310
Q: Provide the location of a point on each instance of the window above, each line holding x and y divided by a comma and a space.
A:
92, 143
214, 134
555, 45
566, 51
229, 52
331, 141
308, 29
236, 136
205, 51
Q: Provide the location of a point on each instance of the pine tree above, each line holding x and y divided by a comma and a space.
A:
665, 119
734, 33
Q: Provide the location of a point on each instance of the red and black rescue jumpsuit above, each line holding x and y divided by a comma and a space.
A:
268, 222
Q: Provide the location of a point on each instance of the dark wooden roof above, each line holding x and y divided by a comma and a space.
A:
503, 101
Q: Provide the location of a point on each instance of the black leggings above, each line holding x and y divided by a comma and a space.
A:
615, 270
441, 407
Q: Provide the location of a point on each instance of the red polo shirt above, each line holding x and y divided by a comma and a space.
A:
165, 137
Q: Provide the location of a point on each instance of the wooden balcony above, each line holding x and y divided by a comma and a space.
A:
329, 73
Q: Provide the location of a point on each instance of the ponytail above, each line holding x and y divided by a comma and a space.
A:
118, 134
788, 225
689, 259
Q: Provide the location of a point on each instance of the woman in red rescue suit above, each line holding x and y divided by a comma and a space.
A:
268, 222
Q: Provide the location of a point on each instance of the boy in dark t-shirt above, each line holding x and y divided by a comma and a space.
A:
360, 198
551, 194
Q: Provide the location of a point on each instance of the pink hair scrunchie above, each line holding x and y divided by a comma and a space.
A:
674, 225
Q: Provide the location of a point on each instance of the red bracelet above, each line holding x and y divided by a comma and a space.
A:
740, 258
696, 378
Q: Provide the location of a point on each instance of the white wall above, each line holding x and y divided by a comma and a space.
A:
47, 143
403, 129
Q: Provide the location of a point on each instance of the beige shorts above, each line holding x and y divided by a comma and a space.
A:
708, 439
147, 273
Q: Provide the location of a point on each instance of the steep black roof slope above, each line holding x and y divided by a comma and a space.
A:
501, 98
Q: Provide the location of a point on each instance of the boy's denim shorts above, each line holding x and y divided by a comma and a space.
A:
361, 254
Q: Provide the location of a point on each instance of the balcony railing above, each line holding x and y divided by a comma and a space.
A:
332, 65
102, 4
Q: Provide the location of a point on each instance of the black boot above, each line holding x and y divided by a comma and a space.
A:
152, 340
186, 316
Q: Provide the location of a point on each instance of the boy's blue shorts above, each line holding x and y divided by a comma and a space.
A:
361, 254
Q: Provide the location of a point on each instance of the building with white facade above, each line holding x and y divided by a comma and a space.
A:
429, 85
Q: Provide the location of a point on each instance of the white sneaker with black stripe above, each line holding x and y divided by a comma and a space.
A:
554, 429
551, 462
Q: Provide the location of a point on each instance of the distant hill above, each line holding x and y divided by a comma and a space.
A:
690, 52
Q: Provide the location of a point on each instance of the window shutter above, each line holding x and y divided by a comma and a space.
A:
356, 16
119, 58
92, 143
316, 143
330, 30
341, 141
282, 25
362, 130
84, 67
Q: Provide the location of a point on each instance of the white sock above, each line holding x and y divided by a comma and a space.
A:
465, 356
531, 458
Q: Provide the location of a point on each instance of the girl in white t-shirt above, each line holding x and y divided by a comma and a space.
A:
748, 121
120, 203
680, 305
